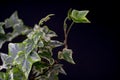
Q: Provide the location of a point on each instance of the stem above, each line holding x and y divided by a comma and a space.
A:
70, 28
65, 32
65, 41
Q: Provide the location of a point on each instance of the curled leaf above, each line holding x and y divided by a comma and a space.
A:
41, 22
79, 16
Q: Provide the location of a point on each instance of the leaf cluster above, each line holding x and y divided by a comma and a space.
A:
33, 58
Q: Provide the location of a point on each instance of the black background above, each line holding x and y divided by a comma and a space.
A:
94, 45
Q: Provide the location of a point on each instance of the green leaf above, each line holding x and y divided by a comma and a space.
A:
21, 54
4, 57
35, 34
1, 42
51, 33
29, 45
24, 58
12, 20
18, 28
2, 34
59, 68
53, 76
55, 43
54, 71
40, 44
66, 54
48, 56
1, 28
7, 61
2, 75
14, 48
79, 16
39, 68
48, 34
16, 74
43, 77
36, 37
25, 62
33, 57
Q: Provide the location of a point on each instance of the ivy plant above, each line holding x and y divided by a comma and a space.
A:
32, 59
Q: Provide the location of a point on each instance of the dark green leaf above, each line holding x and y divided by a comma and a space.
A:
48, 56
2, 76
17, 74
54, 71
53, 76
43, 77
40, 67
